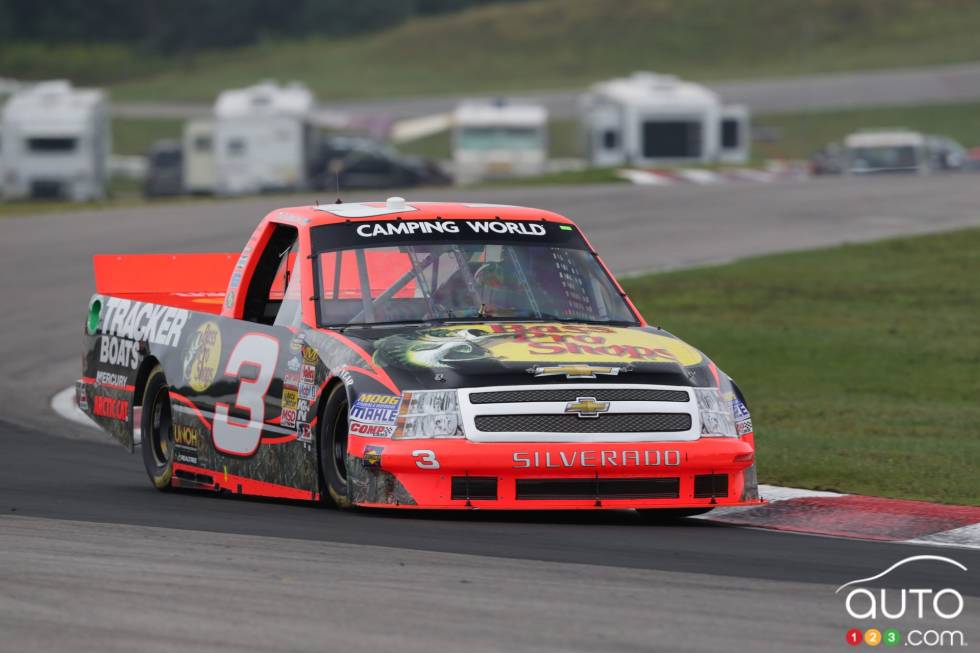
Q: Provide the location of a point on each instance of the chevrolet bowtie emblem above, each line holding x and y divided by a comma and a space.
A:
586, 407
575, 371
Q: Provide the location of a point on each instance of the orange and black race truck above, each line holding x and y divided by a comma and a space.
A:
415, 355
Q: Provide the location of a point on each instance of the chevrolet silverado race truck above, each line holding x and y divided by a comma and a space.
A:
410, 355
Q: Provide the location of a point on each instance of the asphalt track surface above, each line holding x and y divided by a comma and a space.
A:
92, 558
929, 85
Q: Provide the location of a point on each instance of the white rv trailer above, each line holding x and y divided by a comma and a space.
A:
262, 138
650, 119
56, 141
886, 150
498, 139
199, 170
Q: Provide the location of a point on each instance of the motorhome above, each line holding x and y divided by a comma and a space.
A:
56, 141
649, 119
498, 139
199, 173
263, 140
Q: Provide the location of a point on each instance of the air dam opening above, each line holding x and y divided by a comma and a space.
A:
475, 487
601, 488
710, 485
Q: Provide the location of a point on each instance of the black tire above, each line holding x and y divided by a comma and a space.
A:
158, 445
332, 447
667, 515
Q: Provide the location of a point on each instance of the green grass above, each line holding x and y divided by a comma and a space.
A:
547, 44
801, 134
860, 364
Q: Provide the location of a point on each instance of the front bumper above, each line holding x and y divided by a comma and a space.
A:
459, 474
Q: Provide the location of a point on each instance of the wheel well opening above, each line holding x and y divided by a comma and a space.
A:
142, 376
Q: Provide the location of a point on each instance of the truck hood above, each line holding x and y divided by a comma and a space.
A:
507, 353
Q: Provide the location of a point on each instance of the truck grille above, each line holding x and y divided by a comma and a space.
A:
580, 412
607, 423
572, 394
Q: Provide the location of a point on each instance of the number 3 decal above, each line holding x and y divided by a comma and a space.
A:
425, 459
237, 437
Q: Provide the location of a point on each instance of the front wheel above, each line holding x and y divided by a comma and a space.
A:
156, 426
332, 446
667, 515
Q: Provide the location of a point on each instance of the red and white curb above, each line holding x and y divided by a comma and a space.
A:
703, 177
858, 517
792, 510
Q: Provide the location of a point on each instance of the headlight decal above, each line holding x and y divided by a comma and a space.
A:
717, 420
429, 414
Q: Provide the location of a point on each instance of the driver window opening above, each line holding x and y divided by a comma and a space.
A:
274, 287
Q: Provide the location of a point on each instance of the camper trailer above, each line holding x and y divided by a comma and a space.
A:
649, 119
263, 139
499, 139
199, 174
56, 142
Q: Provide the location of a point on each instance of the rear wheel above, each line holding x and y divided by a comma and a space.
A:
666, 515
332, 446
156, 426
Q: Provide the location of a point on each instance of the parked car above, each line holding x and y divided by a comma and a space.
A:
164, 170
365, 163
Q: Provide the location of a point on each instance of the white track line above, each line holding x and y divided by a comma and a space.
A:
63, 403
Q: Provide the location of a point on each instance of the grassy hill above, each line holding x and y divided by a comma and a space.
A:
835, 350
549, 44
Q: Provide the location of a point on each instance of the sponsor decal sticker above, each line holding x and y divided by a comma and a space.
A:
160, 325
412, 227
293, 364
310, 356
291, 380
303, 412
111, 378
203, 356
116, 351
289, 398
307, 391
110, 408
309, 374
739, 409
371, 430
375, 409
288, 418
303, 432
372, 456
744, 427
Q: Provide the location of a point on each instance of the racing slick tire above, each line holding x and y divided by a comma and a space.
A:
666, 515
332, 446
157, 434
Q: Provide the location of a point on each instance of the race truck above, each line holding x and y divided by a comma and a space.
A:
410, 355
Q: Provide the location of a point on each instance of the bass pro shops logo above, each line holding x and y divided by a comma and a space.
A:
927, 608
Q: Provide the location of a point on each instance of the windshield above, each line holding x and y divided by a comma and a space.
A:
869, 158
438, 271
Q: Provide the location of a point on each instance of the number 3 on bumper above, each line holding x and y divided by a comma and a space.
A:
425, 459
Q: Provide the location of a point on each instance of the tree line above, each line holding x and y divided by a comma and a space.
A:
170, 26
